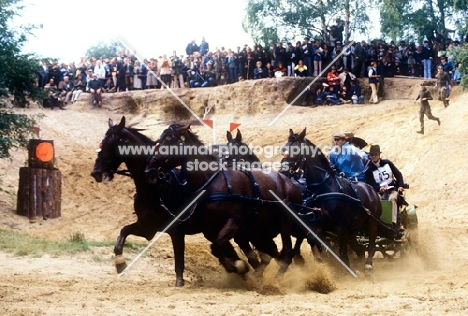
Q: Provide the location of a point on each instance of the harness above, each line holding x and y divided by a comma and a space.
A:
216, 196
312, 199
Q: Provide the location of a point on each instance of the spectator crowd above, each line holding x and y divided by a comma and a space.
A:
203, 67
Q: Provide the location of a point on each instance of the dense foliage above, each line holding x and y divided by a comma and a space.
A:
18, 74
461, 60
15, 131
416, 20
104, 50
268, 21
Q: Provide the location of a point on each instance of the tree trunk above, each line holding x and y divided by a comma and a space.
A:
441, 7
39, 193
322, 18
346, 26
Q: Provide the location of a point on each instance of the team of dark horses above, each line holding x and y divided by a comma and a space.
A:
237, 203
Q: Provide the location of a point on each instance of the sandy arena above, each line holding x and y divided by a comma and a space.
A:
432, 282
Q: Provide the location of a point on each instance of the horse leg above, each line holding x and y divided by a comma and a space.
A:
286, 253
137, 229
317, 253
298, 258
222, 249
372, 231
119, 260
265, 260
315, 246
343, 245
358, 248
178, 245
231, 255
228, 258
251, 255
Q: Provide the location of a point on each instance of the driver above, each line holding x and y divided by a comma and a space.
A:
385, 178
347, 159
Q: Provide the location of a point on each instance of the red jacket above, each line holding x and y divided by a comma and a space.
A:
333, 78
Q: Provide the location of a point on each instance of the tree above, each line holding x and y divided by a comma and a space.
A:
15, 131
416, 20
462, 26
18, 75
461, 62
294, 18
104, 50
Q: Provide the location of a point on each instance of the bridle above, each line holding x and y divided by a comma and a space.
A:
164, 165
123, 136
302, 163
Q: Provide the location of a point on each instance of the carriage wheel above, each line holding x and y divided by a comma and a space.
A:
389, 251
332, 242
411, 244
333, 245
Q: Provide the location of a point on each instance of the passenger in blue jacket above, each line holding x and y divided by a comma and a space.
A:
347, 159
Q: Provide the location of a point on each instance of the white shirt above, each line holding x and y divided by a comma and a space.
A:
100, 72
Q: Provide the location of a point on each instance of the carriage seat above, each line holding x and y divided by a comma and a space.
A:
386, 216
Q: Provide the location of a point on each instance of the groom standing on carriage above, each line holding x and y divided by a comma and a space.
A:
386, 179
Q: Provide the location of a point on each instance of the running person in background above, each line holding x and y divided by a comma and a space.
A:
424, 96
386, 179
443, 82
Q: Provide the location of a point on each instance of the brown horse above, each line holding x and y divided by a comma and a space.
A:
153, 213
346, 207
152, 216
238, 203
239, 153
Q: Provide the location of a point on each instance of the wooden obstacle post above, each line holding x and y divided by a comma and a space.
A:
39, 189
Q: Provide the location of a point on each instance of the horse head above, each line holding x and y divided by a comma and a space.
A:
171, 150
238, 151
292, 152
109, 157
299, 152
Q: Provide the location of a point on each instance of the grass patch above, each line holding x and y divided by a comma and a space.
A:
96, 258
77, 237
26, 245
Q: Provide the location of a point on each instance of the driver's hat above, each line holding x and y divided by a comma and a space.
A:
339, 135
374, 150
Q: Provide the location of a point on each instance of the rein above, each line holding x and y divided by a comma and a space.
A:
192, 210
313, 187
125, 172
317, 184
217, 196
128, 133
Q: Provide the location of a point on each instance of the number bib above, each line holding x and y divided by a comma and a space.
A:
383, 175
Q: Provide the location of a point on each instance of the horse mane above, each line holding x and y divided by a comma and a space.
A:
319, 154
136, 133
192, 137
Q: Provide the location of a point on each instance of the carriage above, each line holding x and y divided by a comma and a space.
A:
392, 243
400, 246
